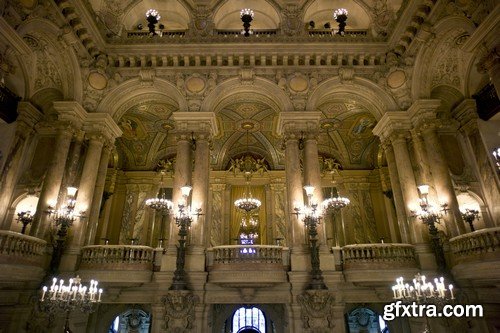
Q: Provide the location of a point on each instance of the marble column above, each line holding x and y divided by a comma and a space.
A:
201, 175
480, 161
93, 214
294, 187
28, 117
406, 180
182, 177
397, 193
312, 176
53, 180
421, 157
442, 181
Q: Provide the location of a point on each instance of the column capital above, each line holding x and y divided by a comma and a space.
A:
466, 114
423, 111
196, 122
101, 126
392, 122
70, 112
295, 123
28, 117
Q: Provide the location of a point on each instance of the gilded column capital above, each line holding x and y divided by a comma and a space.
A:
399, 136
423, 111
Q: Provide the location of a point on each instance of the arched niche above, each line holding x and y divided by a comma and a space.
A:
227, 16
174, 14
24, 203
321, 12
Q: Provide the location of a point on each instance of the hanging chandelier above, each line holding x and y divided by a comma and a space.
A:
160, 202
247, 203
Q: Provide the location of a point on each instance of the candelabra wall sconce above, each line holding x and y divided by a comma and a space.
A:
246, 16
469, 216
153, 17
429, 215
67, 298
340, 15
64, 219
25, 218
160, 204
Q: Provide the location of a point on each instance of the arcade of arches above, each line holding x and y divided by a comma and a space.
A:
92, 99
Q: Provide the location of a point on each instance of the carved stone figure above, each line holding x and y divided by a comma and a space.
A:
179, 310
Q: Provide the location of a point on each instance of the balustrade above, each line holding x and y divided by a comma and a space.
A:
368, 255
117, 257
484, 242
16, 248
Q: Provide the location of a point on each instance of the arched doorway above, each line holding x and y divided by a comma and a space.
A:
131, 321
248, 320
365, 320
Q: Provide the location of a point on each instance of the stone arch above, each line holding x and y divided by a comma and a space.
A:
67, 58
448, 95
269, 8
14, 208
368, 93
228, 89
116, 101
183, 14
109, 313
359, 12
450, 29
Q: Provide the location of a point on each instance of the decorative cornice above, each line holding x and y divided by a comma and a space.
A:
13, 39
423, 110
391, 122
196, 122
70, 111
488, 30
103, 124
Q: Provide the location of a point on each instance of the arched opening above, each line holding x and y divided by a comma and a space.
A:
365, 320
27, 205
248, 320
132, 320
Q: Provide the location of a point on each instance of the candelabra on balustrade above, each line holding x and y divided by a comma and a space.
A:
429, 215
246, 16
64, 219
469, 216
312, 218
183, 219
25, 218
67, 298
423, 291
340, 15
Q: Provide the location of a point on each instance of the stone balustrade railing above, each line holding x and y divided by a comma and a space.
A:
25, 249
117, 257
478, 243
259, 254
387, 254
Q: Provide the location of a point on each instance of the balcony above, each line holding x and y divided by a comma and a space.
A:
22, 257
378, 263
117, 263
476, 255
232, 265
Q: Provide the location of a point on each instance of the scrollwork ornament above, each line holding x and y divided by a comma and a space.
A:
317, 311
179, 310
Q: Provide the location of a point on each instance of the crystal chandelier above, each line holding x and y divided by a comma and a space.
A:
66, 215
247, 203
246, 16
340, 15
160, 202
496, 155
70, 297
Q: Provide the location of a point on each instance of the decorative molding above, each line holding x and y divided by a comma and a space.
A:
179, 310
317, 311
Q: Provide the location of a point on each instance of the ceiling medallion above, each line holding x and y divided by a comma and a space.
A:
247, 125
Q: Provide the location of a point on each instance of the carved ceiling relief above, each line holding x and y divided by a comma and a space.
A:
447, 66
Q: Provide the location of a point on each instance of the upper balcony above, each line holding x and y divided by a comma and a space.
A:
378, 263
118, 263
22, 257
475, 255
231, 265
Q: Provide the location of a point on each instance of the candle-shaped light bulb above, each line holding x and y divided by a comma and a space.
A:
100, 293
451, 291
43, 294
394, 291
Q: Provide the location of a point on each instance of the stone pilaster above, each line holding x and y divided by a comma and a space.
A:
423, 115
480, 160
28, 117
70, 118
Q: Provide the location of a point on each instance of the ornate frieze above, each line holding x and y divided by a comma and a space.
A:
179, 311
317, 311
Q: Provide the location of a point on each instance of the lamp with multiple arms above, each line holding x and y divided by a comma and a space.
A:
246, 16
340, 15
70, 297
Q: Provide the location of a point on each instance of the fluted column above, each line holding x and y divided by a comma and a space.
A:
397, 194
93, 213
26, 120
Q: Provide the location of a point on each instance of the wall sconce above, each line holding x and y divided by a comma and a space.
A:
246, 16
